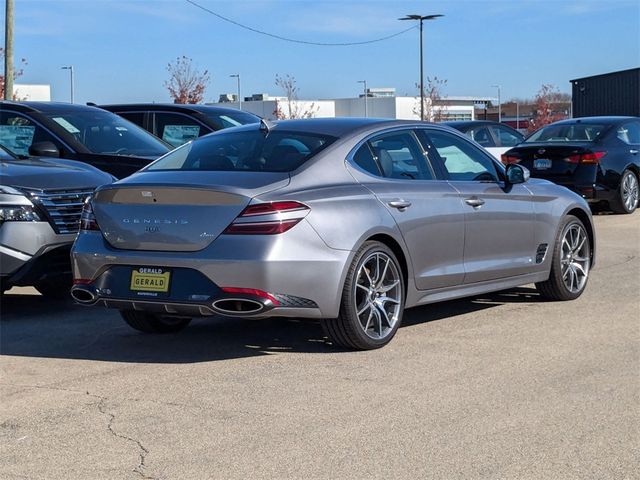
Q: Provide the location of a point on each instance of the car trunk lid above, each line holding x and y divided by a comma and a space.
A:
176, 211
553, 162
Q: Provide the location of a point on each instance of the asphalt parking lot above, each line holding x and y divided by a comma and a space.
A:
500, 386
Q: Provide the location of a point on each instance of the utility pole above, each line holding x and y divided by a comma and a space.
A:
366, 94
237, 75
70, 68
499, 103
8, 51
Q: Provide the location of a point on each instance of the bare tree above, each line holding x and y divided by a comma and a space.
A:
293, 107
545, 107
186, 83
434, 107
16, 73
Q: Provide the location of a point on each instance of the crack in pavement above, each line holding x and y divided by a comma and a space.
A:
143, 450
102, 408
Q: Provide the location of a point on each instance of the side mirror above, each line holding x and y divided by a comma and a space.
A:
44, 149
517, 174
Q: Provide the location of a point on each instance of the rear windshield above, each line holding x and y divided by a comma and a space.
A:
248, 151
574, 132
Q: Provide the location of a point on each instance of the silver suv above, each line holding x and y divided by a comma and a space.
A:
40, 204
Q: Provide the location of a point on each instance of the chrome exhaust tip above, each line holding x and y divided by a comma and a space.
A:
83, 294
237, 306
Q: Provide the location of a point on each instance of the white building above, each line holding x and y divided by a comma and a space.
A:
36, 93
381, 104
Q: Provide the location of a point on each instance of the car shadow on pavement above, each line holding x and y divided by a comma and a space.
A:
33, 326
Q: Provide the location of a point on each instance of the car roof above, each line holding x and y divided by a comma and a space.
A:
173, 107
595, 120
339, 126
45, 107
465, 123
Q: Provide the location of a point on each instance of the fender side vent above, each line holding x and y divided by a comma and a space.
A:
541, 252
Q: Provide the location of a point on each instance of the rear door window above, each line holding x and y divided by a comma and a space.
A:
177, 129
629, 133
134, 117
398, 155
506, 138
482, 135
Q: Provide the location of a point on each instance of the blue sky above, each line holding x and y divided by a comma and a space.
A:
120, 49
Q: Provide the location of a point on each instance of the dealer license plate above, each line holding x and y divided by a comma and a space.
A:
150, 279
542, 164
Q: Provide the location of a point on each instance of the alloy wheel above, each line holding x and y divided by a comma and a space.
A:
575, 257
630, 191
378, 294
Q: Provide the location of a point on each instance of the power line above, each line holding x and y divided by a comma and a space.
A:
294, 40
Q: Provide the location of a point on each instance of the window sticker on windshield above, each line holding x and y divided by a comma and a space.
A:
176, 135
16, 138
66, 125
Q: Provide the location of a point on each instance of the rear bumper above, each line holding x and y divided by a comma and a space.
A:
297, 268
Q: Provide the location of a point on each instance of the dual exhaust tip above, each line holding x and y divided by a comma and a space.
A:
87, 295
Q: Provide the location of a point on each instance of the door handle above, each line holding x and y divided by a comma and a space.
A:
633, 151
475, 202
401, 205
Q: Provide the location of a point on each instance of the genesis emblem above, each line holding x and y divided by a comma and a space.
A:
541, 151
146, 194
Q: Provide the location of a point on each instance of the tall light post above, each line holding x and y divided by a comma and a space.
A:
499, 103
421, 18
237, 76
70, 68
366, 94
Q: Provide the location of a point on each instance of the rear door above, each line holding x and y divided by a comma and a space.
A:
427, 210
499, 226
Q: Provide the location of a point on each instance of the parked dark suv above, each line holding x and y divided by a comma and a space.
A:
597, 157
177, 123
78, 132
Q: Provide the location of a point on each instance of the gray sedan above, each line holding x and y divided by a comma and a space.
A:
346, 220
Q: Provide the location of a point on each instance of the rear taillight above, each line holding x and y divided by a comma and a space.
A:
590, 157
507, 159
268, 218
88, 220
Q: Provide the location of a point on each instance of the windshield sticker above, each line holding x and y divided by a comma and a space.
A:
176, 135
18, 139
66, 125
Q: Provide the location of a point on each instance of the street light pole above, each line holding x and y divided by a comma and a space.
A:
499, 103
237, 75
70, 68
421, 18
366, 94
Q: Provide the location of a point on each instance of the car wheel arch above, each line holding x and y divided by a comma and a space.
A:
397, 250
585, 218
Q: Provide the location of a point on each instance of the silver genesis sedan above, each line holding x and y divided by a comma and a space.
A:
349, 221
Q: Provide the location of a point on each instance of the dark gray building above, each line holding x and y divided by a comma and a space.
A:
615, 93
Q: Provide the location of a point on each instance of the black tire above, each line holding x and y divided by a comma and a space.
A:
555, 288
347, 330
150, 323
55, 291
620, 205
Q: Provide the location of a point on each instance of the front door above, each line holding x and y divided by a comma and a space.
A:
499, 227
